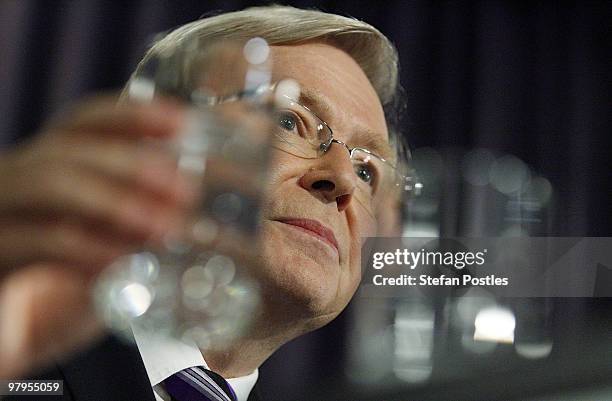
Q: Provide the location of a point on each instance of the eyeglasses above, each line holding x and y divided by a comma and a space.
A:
300, 132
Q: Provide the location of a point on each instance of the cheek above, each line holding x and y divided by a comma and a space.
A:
282, 167
361, 226
276, 175
365, 223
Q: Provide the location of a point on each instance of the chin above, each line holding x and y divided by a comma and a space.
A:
299, 283
300, 287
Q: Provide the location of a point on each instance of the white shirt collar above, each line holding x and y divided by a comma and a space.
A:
163, 357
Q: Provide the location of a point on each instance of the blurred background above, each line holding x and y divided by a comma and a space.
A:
520, 91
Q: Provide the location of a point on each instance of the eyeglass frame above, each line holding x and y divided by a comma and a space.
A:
412, 184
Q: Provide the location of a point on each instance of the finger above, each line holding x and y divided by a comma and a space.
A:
24, 242
45, 312
59, 190
148, 165
159, 119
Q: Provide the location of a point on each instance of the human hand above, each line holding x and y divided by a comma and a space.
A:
84, 191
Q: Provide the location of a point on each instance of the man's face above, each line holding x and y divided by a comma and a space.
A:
302, 271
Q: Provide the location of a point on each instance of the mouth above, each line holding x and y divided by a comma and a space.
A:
315, 229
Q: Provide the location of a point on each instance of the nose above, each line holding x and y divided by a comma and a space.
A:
332, 179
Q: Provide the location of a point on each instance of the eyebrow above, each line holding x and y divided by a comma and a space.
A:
363, 137
370, 141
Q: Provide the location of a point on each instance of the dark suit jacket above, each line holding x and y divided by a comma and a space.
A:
109, 371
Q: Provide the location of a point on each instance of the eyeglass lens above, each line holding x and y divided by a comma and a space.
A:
301, 133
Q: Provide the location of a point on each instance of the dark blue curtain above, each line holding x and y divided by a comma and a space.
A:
532, 79
529, 78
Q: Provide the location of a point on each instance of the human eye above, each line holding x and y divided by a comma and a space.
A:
294, 122
288, 121
366, 173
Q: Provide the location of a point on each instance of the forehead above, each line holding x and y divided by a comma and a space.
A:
336, 89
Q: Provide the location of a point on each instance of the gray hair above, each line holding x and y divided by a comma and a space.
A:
284, 25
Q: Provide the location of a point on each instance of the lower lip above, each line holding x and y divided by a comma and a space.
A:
313, 234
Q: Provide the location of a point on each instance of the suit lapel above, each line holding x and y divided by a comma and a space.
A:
255, 394
111, 370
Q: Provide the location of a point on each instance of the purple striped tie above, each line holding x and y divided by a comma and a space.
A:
198, 384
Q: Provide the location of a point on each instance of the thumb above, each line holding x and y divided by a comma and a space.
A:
45, 312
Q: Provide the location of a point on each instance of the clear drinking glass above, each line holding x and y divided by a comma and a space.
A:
197, 286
